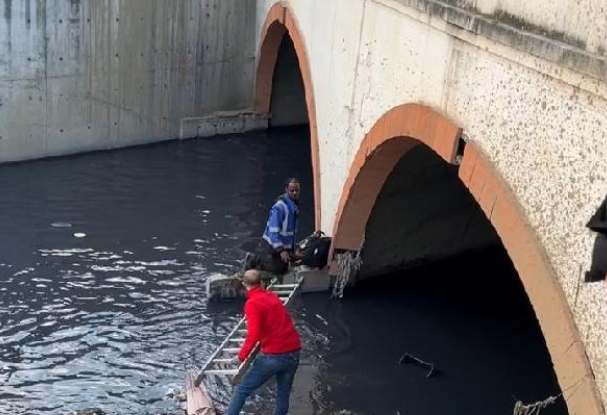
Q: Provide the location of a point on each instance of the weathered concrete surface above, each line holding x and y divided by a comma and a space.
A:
538, 120
224, 122
88, 75
229, 287
571, 34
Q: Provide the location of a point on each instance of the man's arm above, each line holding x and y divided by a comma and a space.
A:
275, 226
253, 316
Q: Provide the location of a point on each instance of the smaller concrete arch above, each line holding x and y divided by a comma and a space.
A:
280, 21
402, 129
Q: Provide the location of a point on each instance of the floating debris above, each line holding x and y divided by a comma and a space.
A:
408, 359
176, 394
534, 409
79, 235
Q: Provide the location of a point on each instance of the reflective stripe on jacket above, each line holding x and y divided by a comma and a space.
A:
281, 229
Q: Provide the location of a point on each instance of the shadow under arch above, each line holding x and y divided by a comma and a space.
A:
281, 22
396, 133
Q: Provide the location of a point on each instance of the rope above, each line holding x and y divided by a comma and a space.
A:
348, 264
535, 408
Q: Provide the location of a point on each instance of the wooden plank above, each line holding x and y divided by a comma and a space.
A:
198, 400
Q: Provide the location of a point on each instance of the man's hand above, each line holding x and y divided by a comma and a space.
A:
236, 361
284, 255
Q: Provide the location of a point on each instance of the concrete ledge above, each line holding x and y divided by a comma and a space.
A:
512, 31
219, 123
315, 280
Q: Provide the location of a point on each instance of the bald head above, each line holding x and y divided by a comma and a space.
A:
252, 278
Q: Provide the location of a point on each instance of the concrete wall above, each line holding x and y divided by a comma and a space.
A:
576, 22
571, 33
539, 117
79, 75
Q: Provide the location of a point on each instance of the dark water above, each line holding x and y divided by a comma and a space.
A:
468, 316
112, 319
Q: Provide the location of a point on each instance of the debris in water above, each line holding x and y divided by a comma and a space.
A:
407, 358
176, 394
535, 408
79, 235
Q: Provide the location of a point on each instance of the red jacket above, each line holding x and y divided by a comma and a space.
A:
269, 323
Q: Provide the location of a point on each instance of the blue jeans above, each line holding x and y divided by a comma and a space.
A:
265, 366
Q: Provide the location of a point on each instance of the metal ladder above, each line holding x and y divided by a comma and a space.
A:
220, 363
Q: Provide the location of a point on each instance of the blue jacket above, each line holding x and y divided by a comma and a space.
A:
281, 229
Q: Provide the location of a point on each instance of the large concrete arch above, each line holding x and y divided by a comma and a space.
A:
280, 22
407, 126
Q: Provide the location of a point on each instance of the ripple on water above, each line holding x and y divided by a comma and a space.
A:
111, 318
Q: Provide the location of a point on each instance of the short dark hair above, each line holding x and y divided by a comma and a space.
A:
291, 180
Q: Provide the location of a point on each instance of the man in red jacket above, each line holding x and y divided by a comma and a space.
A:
269, 323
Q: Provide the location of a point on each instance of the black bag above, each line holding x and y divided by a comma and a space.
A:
314, 250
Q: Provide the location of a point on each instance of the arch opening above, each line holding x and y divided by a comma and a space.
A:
424, 214
419, 147
288, 97
283, 86
428, 241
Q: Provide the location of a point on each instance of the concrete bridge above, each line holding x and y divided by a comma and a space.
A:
437, 127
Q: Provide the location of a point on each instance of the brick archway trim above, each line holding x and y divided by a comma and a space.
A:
407, 126
280, 21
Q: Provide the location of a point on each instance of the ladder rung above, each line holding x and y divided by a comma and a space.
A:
221, 372
221, 361
284, 286
224, 352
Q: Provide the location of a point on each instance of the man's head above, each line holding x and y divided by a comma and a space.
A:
293, 189
251, 279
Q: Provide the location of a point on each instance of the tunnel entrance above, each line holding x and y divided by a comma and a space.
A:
400, 135
428, 243
288, 101
289, 121
423, 213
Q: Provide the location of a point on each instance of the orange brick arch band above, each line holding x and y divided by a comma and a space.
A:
407, 126
280, 22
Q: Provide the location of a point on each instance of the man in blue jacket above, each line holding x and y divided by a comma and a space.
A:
277, 247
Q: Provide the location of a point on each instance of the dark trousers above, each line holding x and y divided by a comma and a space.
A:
265, 258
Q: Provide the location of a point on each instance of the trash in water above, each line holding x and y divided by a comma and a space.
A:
79, 235
176, 394
408, 359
